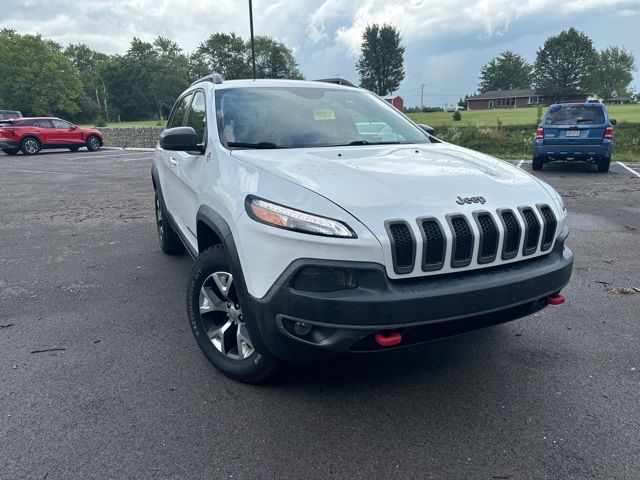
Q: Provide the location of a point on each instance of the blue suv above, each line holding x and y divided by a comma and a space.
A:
574, 131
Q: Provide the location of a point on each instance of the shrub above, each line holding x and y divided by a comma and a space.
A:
100, 122
457, 116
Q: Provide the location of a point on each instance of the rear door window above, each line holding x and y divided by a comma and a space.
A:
197, 117
575, 115
176, 118
44, 124
61, 124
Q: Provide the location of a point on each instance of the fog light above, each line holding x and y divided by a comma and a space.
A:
301, 328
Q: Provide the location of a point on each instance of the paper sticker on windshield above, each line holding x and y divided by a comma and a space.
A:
324, 114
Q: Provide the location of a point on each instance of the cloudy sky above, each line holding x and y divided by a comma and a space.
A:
447, 41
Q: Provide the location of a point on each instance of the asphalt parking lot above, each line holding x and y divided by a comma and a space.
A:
100, 376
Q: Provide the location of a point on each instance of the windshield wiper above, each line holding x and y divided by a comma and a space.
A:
367, 142
580, 120
252, 145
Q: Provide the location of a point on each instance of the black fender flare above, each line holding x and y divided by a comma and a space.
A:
220, 227
155, 179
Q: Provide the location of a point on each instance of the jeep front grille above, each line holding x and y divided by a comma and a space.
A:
531, 231
462, 241
488, 238
433, 244
511, 234
511, 231
402, 246
549, 227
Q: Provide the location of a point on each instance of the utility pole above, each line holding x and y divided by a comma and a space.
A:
253, 47
422, 97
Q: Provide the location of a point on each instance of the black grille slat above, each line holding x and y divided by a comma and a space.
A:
549, 227
532, 231
511, 234
434, 244
488, 237
462, 241
402, 247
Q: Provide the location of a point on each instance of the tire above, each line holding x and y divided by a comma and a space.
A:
603, 164
537, 163
30, 146
169, 240
215, 316
11, 151
93, 143
74, 149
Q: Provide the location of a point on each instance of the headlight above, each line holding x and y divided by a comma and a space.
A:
283, 217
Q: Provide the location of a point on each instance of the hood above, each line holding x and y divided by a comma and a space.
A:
376, 183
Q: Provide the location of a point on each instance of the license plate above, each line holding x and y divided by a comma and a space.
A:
573, 133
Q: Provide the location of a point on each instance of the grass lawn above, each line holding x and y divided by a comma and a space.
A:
139, 123
512, 116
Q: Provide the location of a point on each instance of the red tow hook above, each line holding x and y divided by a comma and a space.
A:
555, 299
388, 339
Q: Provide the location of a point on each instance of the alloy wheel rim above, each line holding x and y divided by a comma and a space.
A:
222, 317
31, 146
94, 143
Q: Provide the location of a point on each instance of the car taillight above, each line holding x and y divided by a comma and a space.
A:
539, 133
608, 132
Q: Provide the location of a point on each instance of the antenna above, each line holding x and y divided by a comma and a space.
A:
253, 47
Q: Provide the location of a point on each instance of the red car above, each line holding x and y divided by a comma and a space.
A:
36, 133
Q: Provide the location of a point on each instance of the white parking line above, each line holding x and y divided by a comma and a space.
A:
631, 170
110, 155
520, 164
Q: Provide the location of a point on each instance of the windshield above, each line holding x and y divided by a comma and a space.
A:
575, 115
290, 117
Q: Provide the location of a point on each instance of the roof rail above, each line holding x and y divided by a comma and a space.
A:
213, 77
336, 81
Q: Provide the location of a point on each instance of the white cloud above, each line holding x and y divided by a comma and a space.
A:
447, 40
419, 19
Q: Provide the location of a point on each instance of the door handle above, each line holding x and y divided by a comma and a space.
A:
173, 161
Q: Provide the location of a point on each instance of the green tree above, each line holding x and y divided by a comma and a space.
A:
273, 59
146, 81
508, 71
222, 53
613, 73
381, 62
564, 65
87, 63
169, 74
36, 77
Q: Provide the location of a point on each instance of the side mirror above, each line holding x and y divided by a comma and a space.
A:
430, 130
73, 127
182, 139
614, 122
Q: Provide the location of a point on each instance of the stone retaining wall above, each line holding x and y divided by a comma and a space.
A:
131, 137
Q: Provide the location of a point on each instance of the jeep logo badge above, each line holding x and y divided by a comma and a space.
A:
468, 200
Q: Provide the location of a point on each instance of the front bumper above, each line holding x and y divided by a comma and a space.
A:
578, 152
8, 143
422, 309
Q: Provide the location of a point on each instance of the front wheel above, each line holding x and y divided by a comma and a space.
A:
93, 143
217, 320
11, 151
604, 164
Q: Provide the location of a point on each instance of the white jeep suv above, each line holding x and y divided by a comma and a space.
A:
322, 220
